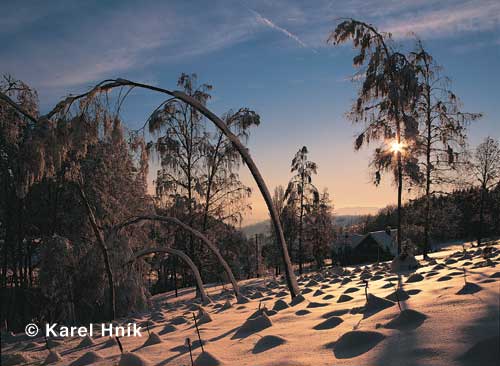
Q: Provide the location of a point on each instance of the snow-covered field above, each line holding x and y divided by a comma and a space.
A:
445, 319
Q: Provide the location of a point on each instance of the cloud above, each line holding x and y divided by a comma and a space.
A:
448, 21
62, 45
269, 23
75, 51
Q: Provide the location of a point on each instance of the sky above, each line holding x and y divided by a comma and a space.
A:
270, 56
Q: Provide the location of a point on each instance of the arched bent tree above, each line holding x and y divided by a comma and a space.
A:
204, 239
204, 297
110, 84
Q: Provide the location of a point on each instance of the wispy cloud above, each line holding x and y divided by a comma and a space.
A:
123, 41
269, 23
450, 20
62, 45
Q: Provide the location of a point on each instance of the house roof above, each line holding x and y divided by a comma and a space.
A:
384, 240
388, 242
350, 239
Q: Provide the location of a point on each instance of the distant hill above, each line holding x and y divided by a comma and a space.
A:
260, 227
344, 216
355, 211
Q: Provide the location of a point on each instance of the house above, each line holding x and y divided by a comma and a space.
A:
372, 247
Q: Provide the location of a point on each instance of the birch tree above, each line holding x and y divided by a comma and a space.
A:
385, 103
443, 131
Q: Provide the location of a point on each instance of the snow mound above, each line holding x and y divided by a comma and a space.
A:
302, 312
52, 357
87, 359
254, 325
316, 304
444, 278
110, 343
226, 305
297, 300
355, 343
86, 342
15, 359
415, 277
318, 293
259, 312
152, 339
365, 276
267, 342
280, 305
403, 263
328, 297
469, 288
169, 328
406, 320
398, 294
373, 306
52, 343
31, 345
203, 317
178, 320
257, 295
242, 299
206, 359
339, 312
351, 290
131, 359
311, 283
344, 281
344, 298
329, 323
485, 352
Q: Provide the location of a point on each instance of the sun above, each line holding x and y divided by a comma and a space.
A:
396, 147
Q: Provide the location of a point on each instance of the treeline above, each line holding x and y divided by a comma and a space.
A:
456, 215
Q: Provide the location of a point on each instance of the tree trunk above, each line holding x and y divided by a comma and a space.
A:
105, 253
481, 215
400, 192
290, 276
301, 220
194, 232
428, 175
203, 295
400, 188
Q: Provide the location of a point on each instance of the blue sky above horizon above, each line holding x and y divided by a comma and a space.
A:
271, 56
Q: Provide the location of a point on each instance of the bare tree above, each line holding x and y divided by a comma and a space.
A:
485, 168
442, 140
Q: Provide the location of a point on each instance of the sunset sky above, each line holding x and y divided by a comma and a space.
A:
270, 56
